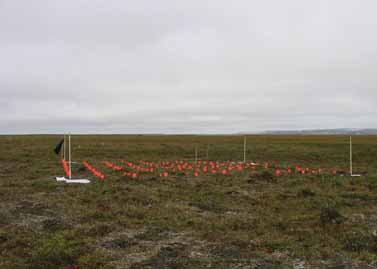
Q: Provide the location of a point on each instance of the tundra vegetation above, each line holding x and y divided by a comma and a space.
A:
237, 220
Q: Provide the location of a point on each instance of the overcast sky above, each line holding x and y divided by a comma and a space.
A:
187, 66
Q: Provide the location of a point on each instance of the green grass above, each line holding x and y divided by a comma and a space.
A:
186, 222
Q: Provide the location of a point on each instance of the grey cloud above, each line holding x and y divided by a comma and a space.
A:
194, 66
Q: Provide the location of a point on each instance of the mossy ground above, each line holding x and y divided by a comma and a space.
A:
233, 221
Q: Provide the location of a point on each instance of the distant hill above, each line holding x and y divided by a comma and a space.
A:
344, 131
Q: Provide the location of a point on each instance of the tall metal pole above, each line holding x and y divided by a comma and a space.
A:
207, 151
69, 156
244, 149
351, 155
196, 155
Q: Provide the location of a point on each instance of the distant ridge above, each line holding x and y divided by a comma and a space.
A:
344, 131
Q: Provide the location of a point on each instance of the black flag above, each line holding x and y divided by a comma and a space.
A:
59, 146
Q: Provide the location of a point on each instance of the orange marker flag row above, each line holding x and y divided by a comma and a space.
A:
165, 168
112, 166
66, 168
120, 168
94, 171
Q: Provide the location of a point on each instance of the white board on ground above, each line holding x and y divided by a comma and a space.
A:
82, 181
79, 181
